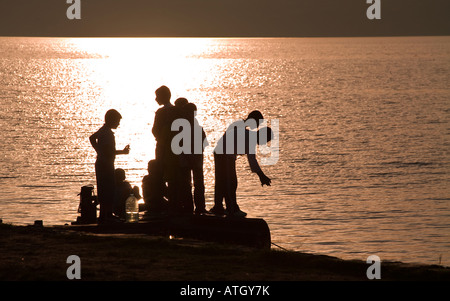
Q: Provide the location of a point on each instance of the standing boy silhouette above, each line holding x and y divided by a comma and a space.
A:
103, 141
164, 155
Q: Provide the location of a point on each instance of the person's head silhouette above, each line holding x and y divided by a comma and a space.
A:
163, 95
112, 119
257, 117
180, 102
153, 166
119, 175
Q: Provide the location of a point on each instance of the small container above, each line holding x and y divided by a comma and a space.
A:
131, 209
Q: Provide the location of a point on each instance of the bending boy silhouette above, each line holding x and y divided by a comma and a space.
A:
237, 140
103, 141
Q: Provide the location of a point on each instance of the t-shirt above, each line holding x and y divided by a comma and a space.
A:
106, 144
238, 140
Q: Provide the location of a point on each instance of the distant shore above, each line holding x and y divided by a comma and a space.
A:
40, 253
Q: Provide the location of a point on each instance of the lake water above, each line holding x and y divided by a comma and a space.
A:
364, 131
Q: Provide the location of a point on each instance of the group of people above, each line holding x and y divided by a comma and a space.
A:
178, 162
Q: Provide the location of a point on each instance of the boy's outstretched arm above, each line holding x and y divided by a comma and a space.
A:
265, 180
125, 151
254, 166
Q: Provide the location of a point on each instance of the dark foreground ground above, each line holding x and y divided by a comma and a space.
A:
40, 253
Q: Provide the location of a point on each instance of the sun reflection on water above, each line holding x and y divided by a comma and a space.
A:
127, 72
355, 162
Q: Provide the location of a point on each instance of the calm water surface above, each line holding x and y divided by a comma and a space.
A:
364, 131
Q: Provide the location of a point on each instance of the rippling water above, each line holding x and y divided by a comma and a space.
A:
364, 128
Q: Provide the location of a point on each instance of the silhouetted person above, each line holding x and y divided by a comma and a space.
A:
237, 140
162, 122
191, 163
103, 141
164, 118
154, 189
180, 102
122, 190
183, 176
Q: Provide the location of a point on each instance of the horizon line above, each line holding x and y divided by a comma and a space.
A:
228, 37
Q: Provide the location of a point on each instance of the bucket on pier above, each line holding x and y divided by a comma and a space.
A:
88, 205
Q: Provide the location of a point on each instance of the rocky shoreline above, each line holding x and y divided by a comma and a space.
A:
41, 253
